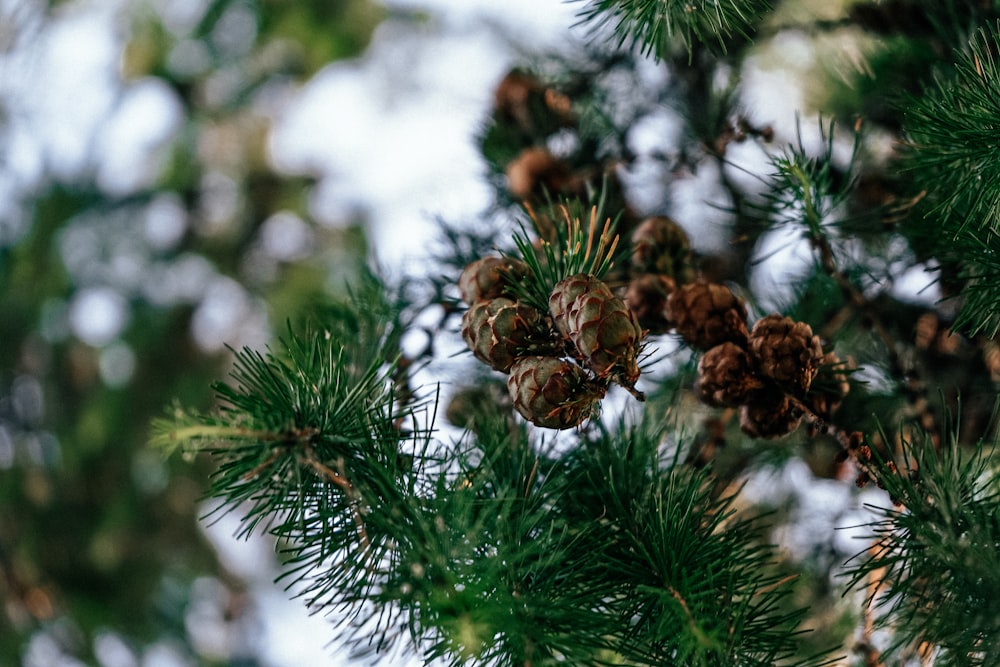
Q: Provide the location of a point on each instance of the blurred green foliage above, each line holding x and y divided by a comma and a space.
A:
98, 534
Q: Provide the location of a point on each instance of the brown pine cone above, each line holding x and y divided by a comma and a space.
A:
523, 99
726, 377
770, 415
707, 314
553, 393
647, 298
500, 330
535, 168
660, 245
490, 277
515, 96
603, 330
786, 351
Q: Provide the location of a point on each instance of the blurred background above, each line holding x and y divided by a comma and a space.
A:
177, 176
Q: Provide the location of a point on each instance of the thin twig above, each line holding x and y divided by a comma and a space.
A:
856, 299
699, 634
257, 470
875, 579
852, 443
328, 473
340, 479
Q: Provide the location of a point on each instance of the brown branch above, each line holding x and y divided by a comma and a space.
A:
339, 478
898, 368
264, 465
870, 655
699, 634
328, 473
852, 443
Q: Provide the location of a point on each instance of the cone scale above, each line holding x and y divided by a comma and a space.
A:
601, 328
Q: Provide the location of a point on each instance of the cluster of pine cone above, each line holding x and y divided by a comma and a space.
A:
767, 372
561, 361
661, 259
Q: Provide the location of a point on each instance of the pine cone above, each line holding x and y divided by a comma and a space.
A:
726, 377
769, 416
535, 168
552, 392
660, 245
786, 351
601, 327
500, 330
707, 314
478, 403
533, 107
647, 298
490, 277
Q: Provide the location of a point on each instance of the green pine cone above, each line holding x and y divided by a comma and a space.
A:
565, 294
600, 326
552, 392
500, 330
490, 278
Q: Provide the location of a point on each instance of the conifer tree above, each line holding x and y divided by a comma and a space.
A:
627, 381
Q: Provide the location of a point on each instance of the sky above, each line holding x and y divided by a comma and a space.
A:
393, 130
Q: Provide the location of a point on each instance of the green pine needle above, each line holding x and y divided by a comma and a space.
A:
575, 248
808, 189
691, 577
950, 153
951, 132
935, 557
657, 26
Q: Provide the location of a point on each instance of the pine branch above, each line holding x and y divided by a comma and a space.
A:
936, 561
575, 247
596, 548
694, 588
950, 128
657, 26
950, 131
309, 439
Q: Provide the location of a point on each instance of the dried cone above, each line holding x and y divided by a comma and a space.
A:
786, 351
769, 416
603, 330
647, 298
523, 99
499, 331
490, 277
515, 96
726, 376
534, 168
707, 314
660, 245
552, 392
